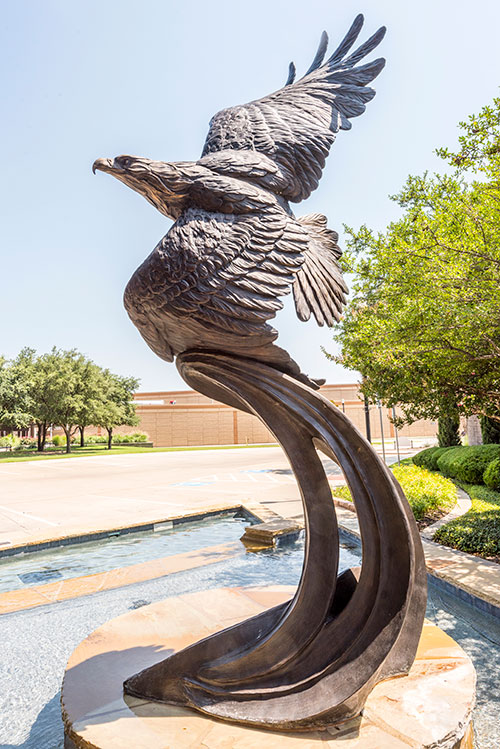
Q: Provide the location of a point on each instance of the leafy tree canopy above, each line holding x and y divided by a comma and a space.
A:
15, 402
116, 406
423, 322
66, 389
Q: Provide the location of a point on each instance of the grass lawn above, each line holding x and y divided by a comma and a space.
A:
83, 452
478, 531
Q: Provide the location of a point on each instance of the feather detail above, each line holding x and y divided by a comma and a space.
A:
220, 270
295, 126
291, 74
319, 288
320, 54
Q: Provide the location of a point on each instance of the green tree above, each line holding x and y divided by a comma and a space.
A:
66, 389
423, 322
15, 399
57, 389
116, 406
92, 389
448, 426
30, 388
490, 431
34, 377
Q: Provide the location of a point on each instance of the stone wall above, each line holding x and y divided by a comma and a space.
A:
473, 429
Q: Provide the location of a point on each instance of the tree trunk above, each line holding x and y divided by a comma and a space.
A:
67, 432
41, 436
110, 437
82, 439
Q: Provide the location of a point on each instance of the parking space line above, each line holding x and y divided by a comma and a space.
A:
28, 515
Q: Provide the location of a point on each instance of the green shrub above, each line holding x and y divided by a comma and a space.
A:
467, 464
448, 429
491, 476
127, 438
95, 439
10, 440
342, 492
478, 531
117, 439
490, 431
121, 439
447, 461
28, 442
140, 437
58, 440
428, 493
435, 457
423, 458
428, 458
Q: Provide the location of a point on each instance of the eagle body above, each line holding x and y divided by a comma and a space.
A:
220, 276
236, 249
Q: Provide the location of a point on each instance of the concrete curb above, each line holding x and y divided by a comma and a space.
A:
466, 576
250, 510
463, 505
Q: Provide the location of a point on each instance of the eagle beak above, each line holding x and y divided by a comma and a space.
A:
103, 165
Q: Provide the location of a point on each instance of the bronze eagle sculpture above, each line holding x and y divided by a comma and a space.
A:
217, 277
205, 296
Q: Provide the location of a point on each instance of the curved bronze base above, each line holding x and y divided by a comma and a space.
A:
311, 662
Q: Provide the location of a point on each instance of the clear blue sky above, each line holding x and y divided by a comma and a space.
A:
84, 79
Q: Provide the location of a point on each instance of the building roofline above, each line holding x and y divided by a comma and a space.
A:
162, 393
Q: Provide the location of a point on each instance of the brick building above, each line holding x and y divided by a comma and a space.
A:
184, 417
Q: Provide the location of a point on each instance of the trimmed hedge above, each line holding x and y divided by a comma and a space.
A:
467, 464
428, 493
491, 476
478, 531
423, 458
117, 439
428, 458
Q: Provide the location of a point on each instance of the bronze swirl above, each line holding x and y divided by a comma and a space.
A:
313, 661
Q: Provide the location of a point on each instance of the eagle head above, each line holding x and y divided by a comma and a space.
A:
166, 186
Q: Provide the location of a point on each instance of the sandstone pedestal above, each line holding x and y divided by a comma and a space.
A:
431, 707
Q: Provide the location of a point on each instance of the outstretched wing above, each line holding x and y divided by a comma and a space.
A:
296, 125
319, 287
222, 270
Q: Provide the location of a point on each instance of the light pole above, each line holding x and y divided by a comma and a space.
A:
396, 432
367, 420
379, 404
